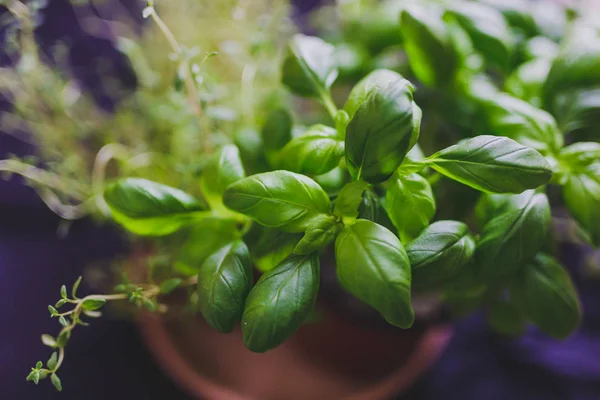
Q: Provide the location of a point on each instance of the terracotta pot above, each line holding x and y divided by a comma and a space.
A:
330, 359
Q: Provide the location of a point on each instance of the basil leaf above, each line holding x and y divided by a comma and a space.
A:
578, 111
540, 47
314, 153
310, 68
278, 199
505, 318
492, 164
349, 199
514, 235
582, 197
272, 246
319, 235
148, 208
381, 132
545, 294
520, 121
410, 204
224, 282
488, 30
581, 154
526, 82
276, 133
490, 206
439, 253
201, 240
280, 302
519, 14
222, 170
332, 181
374, 267
252, 151
377, 79
428, 45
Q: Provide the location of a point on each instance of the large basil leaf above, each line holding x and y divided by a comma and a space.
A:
582, 196
319, 235
223, 169
278, 199
276, 133
428, 45
526, 82
374, 267
316, 152
224, 282
252, 150
269, 246
580, 154
488, 30
545, 294
332, 181
310, 68
410, 204
505, 318
148, 208
381, 132
514, 235
280, 302
578, 111
349, 199
528, 125
201, 240
376, 79
439, 253
493, 164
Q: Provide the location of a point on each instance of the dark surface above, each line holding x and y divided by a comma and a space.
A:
108, 359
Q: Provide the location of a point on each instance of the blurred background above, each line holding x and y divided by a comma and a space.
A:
110, 360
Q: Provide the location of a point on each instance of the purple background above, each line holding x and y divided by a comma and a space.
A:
108, 360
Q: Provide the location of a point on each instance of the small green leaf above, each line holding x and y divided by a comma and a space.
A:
270, 246
39, 365
505, 318
49, 341
43, 373
223, 169
252, 150
315, 152
382, 131
582, 197
63, 291
580, 154
56, 382
514, 235
544, 293
276, 133
63, 321
310, 67
319, 235
53, 311
372, 265
31, 375
224, 282
410, 204
440, 253
527, 81
60, 303
63, 338
169, 285
379, 78
93, 304
493, 164
75, 287
280, 199
349, 200
51, 364
148, 208
34, 376
280, 302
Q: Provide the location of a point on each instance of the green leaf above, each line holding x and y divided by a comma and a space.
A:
148, 208
49, 341
428, 45
348, 201
580, 154
224, 282
410, 204
520, 121
169, 285
310, 68
319, 235
63, 291
93, 304
202, 240
316, 152
223, 169
53, 311
52, 361
280, 302
63, 321
505, 318
60, 303
582, 197
526, 82
375, 80
545, 294
39, 365
252, 150
492, 164
34, 376
75, 287
280, 199
381, 132
276, 133
63, 338
514, 235
488, 30
440, 253
372, 265
272, 247
332, 181
56, 382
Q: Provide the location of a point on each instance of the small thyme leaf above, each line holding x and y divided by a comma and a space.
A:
52, 361
63, 291
48, 340
56, 382
75, 287
63, 321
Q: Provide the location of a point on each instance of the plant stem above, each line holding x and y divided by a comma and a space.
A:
329, 104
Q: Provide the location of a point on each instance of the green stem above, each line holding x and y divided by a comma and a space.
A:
327, 101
